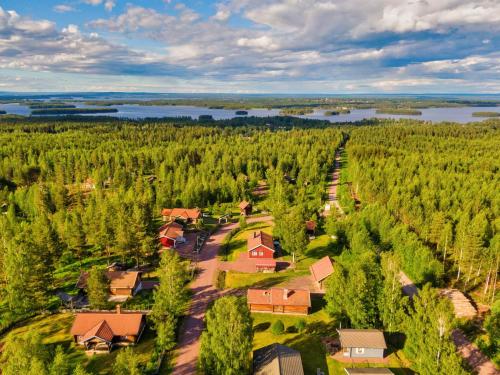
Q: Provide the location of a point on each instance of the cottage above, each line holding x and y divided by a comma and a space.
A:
260, 245
368, 371
171, 234
101, 331
188, 215
279, 300
311, 227
321, 270
277, 359
245, 208
362, 343
121, 283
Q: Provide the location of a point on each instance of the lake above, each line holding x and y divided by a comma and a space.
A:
460, 114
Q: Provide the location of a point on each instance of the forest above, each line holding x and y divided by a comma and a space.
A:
422, 198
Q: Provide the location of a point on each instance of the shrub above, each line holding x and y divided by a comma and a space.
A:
300, 325
278, 328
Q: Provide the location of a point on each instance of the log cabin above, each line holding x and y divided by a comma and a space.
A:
279, 301
121, 283
188, 215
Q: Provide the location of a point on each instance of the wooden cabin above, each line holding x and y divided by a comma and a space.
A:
277, 359
101, 331
188, 215
260, 245
362, 343
121, 283
279, 301
321, 270
245, 208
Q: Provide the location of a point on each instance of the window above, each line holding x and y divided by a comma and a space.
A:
254, 253
360, 350
261, 253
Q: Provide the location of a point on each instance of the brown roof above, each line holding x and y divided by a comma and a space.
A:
368, 371
362, 338
184, 213
120, 324
171, 230
321, 269
310, 225
117, 279
260, 238
244, 204
277, 359
101, 330
276, 296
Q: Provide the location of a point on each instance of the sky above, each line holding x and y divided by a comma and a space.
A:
251, 46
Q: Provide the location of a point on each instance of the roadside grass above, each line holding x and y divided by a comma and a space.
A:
55, 330
307, 342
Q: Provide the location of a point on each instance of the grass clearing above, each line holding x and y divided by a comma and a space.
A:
238, 244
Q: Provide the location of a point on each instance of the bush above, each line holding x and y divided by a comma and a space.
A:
300, 325
278, 328
220, 280
243, 222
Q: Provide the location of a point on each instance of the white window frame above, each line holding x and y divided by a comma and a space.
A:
254, 253
360, 350
261, 253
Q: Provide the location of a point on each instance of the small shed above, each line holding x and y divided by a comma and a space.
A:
277, 359
171, 234
260, 245
321, 270
362, 343
245, 208
279, 301
311, 227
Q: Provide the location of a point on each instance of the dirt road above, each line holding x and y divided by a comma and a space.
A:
333, 186
203, 291
481, 364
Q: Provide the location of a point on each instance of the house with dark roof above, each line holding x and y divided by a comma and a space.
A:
362, 343
188, 215
277, 359
279, 301
321, 270
121, 283
171, 234
101, 331
245, 208
368, 371
260, 245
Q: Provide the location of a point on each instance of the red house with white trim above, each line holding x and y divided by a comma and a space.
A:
171, 234
260, 246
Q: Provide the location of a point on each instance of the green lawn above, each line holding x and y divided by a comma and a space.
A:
308, 342
55, 330
397, 364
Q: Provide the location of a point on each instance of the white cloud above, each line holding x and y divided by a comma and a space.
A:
109, 5
63, 8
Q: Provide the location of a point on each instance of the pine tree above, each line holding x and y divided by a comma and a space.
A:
392, 303
97, 288
127, 363
60, 364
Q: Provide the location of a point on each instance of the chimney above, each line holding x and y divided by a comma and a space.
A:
118, 309
285, 294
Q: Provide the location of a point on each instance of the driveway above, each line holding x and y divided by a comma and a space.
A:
333, 186
481, 364
188, 349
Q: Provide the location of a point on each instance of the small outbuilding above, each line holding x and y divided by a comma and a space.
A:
321, 270
277, 359
311, 227
245, 208
171, 234
362, 343
279, 301
462, 306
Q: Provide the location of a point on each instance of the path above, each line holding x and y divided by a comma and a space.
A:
409, 288
203, 293
333, 185
481, 364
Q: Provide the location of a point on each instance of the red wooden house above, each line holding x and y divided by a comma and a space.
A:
171, 234
260, 246
188, 215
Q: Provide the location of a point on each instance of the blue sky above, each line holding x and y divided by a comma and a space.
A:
251, 46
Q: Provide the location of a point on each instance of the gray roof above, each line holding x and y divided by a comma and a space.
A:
368, 371
362, 338
277, 359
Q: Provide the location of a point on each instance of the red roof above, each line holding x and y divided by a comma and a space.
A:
244, 204
101, 330
184, 213
120, 324
171, 230
310, 225
260, 239
322, 269
279, 296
